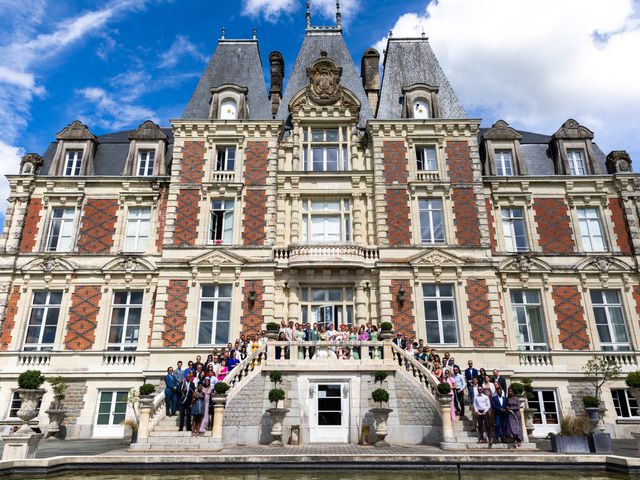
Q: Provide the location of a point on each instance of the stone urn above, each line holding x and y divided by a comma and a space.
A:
594, 414
387, 335
381, 416
272, 334
56, 414
29, 407
528, 420
277, 418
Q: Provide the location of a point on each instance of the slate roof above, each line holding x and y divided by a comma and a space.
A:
332, 42
233, 62
409, 61
111, 153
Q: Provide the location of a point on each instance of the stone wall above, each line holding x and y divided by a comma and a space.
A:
74, 403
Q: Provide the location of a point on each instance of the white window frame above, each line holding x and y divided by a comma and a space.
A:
48, 308
543, 428
592, 234
504, 163
328, 309
311, 142
124, 345
627, 396
509, 220
224, 161
428, 164
137, 229
217, 299
66, 221
226, 208
526, 306
576, 162
111, 429
73, 162
146, 162
614, 345
429, 207
439, 299
312, 214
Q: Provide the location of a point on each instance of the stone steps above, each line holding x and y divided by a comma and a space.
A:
172, 433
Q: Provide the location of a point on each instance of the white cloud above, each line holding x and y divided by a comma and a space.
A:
535, 64
111, 112
181, 47
275, 10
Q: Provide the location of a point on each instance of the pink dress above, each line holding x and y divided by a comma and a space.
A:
452, 382
205, 418
222, 373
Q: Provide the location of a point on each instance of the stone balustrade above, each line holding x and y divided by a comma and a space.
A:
348, 353
74, 362
223, 177
428, 176
326, 254
239, 375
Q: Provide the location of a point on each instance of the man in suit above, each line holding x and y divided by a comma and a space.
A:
170, 393
499, 405
399, 341
469, 374
500, 379
187, 388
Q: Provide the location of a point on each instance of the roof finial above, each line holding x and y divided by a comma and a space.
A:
255, 33
222, 36
338, 16
390, 33
308, 15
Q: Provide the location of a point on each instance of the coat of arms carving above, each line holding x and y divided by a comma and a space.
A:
324, 76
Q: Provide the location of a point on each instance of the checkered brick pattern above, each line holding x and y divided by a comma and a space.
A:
193, 161
492, 226
162, 217
83, 318
636, 297
254, 222
402, 314
570, 317
395, 163
186, 226
459, 162
98, 225
398, 223
176, 317
30, 227
252, 316
465, 210
620, 225
256, 162
479, 317
9, 322
554, 225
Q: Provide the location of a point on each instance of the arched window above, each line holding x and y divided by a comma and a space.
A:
421, 108
27, 168
228, 109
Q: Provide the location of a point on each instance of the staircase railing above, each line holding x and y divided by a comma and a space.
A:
151, 413
415, 368
241, 371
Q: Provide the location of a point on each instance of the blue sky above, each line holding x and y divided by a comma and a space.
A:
115, 63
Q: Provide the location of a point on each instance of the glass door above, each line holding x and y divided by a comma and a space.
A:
329, 413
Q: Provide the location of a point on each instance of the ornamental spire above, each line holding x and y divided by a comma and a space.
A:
338, 16
308, 15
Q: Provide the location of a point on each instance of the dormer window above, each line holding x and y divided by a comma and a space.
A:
421, 109
228, 109
146, 162
420, 101
504, 163
73, 163
226, 158
426, 159
575, 160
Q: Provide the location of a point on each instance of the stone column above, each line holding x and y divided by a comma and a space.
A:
281, 223
447, 426
145, 417
278, 303
295, 218
218, 416
523, 425
294, 303
359, 226
361, 303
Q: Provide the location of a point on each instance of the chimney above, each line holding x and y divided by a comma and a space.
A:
370, 73
277, 76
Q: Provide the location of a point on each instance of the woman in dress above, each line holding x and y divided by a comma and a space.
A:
514, 426
299, 336
448, 378
197, 410
207, 389
353, 337
487, 384
437, 371
363, 335
223, 371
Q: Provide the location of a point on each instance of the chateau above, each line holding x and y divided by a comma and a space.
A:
339, 195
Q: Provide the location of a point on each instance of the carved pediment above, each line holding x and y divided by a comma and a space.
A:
602, 264
217, 258
437, 258
77, 131
49, 265
148, 131
501, 131
572, 130
324, 77
129, 264
524, 263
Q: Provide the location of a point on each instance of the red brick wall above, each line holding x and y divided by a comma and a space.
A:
479, 317
255, 218
252, 316
9, 323
636, 297
398, 222
620, 225
175, 318
162, 218
193, 161
492, 227
554, 225
153, 314
256, 163
402, 315
83, 318
465, 210
98, 225
459, 162
186, 226
30, 228
395, 163
570, 317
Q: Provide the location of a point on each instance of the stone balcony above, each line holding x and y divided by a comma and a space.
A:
68, 362
338, 255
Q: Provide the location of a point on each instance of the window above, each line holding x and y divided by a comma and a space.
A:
325, 150
112, 407
515, 235
43, 321
146, 162
421, 108
527, 313
61, 229
327, 306
625, 403
137, 232
610, 322
504, 163
431, 221
575, 158
226, 158
215, 314
125, 320
440, 314
221, 230
545, 407
426, 158
73, 163
228, 109
326, 220
16, 403
591, 230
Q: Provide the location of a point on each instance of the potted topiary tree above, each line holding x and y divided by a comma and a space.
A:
56, 411
599, 370
276, 395
272, 330
133, 400
30, 393
527, 392
386, 331
591, 405
633, 382
146, 393
381, 415
573, 435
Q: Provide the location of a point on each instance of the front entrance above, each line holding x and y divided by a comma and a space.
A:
329, 413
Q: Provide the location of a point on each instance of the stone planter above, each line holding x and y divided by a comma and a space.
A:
528, 420
599, 442
146, 400
381, 416
569, 443
272, 334
56, 417
387, 335
29, 407
636, 436
594, 414
277, 418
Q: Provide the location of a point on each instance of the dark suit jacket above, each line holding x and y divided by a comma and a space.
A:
502, 382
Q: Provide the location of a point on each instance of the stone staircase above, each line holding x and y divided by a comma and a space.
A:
165, 437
